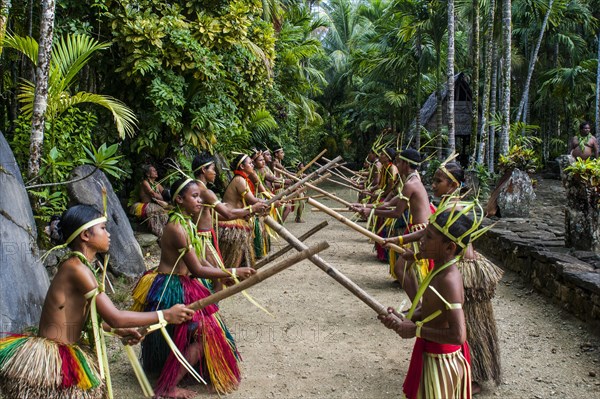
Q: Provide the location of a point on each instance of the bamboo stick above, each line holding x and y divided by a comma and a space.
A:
327, 268
315, 159
342, 166
339, 183
340, 175
353, 225
307, 197
319, 190
334, 209
299, 190
306, 178
258, 277
303, 237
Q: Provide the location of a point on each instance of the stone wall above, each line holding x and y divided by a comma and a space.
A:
540, 258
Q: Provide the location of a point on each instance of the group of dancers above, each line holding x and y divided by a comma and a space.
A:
397, 207
208, 244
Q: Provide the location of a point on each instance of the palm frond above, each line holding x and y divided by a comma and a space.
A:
26, 45
124, 118
262, 122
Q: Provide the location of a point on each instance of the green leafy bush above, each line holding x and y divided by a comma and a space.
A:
522, 158
587, 171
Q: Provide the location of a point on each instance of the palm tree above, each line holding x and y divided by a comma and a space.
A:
5, 6
40, 89
69, 56
487, 85
598, 92
475, 80
522, 109
450, 75
507, 47
297, 78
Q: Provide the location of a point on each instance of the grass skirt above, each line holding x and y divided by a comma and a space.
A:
219, 360
236, 243
153, 214
445, 375
480, 278
34, 367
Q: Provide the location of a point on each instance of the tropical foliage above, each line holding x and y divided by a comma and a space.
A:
229, 75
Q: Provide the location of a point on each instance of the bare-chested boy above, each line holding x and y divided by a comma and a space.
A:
589, 149
58, 363
440, 362
413, 197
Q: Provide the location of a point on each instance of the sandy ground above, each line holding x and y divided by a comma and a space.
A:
322, 342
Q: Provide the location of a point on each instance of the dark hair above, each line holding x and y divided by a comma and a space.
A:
255, 154
146, 169
72, 219
584, 123
178, 183
413, 156
199, 160
457, 229
235, 164
390, 152
456, 170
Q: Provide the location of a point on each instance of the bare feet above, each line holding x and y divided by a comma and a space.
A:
475, 388
178, 393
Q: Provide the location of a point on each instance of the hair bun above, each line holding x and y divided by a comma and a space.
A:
54, 230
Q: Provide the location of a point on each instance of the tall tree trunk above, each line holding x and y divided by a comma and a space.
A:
4, 12
418, 96
485, 103
598, 92
532, 62
40, 102
494, 101
506, 42
438, 110
450, 73
475, 84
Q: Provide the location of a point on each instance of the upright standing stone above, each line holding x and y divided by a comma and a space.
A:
582, 216
516, 195
125, 253
23, 280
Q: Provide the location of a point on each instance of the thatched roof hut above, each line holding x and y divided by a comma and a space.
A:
462, 114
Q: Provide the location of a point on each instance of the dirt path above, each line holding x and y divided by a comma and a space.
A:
323, 342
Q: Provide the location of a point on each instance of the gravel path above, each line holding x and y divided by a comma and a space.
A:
322, 342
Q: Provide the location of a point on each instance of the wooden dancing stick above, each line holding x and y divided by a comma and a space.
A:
315, 159
307, 197
353, 225
303, 237
327, 268
306, 178
340, 175
334, 209
293, 196
342, 167
258, 277
339, 183
317, 189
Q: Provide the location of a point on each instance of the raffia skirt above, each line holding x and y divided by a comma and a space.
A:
35, 367
236, 243
153, 214
480, 278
